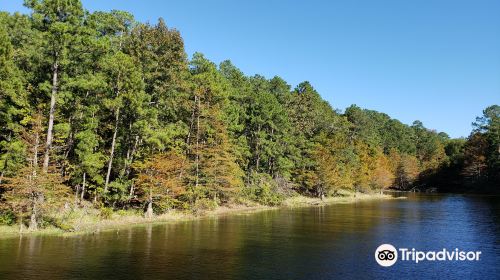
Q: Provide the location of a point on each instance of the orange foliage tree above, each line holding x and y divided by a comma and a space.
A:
159, 181
35, 194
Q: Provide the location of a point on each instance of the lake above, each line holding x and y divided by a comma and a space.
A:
330, 242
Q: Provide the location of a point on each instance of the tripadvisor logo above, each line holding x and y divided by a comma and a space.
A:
387, 255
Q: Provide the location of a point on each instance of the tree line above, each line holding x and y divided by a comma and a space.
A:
99, 108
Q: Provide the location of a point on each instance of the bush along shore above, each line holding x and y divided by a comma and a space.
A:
84, 218
104, 116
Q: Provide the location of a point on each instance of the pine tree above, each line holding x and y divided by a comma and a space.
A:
59, 23
14, 109
215, 172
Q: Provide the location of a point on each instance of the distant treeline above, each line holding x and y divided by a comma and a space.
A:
99, 107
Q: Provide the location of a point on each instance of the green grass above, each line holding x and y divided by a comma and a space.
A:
342, 197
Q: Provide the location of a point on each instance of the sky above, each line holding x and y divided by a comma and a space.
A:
437, 61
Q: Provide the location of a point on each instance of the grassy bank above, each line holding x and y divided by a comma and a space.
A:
88, 220
344, 197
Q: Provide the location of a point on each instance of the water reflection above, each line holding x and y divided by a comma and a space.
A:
336, 241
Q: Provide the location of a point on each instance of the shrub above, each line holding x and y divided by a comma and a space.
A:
7, 218
121, 212
57, 222
61, 224
106, 213
165, 204
264, 190
204, 204
268, 196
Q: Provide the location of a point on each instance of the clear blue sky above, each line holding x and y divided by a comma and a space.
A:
433, 60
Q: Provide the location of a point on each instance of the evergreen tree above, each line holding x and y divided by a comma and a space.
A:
215, 173
14, 109
59, 23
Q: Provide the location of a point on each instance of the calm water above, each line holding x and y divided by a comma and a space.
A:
330, 242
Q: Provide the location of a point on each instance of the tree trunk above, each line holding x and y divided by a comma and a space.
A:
321, 193
257, 144
271, 159
82, 195
191, 123
130, 157
50, 128
6, 160
197, 141
35, 153
188, 138
68, 150
131, 190
110, 163
33, 221
77, 192
149, 211
21, 223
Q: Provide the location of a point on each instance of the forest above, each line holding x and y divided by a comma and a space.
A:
99, 109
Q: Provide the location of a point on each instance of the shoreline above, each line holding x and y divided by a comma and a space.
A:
129, 220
